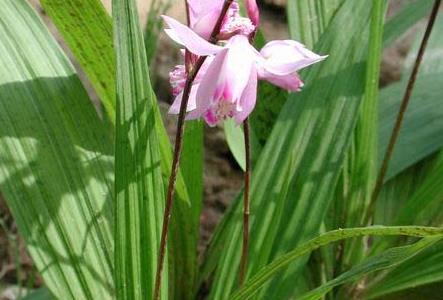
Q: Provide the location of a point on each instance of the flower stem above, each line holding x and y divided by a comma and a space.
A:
188, 15
401, 113
245, 246
177, 152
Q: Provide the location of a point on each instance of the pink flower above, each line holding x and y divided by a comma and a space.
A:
227, 83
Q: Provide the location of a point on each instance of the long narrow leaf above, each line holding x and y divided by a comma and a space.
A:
423, 121
308, 19
185, 223
258, 281
362, 170
138, 181
405, 19
388, 259
425, 268
87, 29
56, 166
309, 139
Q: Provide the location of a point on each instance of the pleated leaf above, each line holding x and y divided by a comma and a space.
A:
299, 166
138, 182
252, 286
308, 19
56, 166
410, 14
87, 29
425, 268
423, 125
98, 48
388, 259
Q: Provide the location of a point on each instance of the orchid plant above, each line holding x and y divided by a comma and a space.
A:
225, 81
109, 209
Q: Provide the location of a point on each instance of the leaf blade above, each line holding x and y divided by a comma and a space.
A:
258, 280
56, 160
138, 181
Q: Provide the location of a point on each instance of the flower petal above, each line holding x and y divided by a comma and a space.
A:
286, 57
185, 36
175, 107
290, 82
204, 25
200, 9
253, 12
248, 98
208, 85
240, 61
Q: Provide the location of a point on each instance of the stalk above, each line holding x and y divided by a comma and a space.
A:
402, 111
245, 246
178, 149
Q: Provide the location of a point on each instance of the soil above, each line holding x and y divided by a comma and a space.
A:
222, 176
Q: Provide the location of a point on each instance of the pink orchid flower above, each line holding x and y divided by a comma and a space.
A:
227, 83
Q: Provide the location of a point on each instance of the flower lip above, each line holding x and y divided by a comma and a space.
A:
286, 57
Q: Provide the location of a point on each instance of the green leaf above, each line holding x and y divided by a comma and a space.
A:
308, 19
153, 26
236, 142
186, 218
56, 166
397, 191
185, 223
40, 294
405, 19
385, 260
423, 122
253, 285
362, 170
363, 166
423, 125
138, 182
87, 29
425, 268
424, 206
418, 190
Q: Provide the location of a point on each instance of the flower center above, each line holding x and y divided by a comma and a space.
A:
177, 78
224, 110
235, 23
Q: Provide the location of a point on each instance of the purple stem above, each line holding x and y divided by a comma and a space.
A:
178, 149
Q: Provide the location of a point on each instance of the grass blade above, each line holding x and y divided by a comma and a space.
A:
185, 224
309, 19
388, 259
305, 142
258, 281
138, 181
362, 164
425, 268
425, 106
87, 29
56, 166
